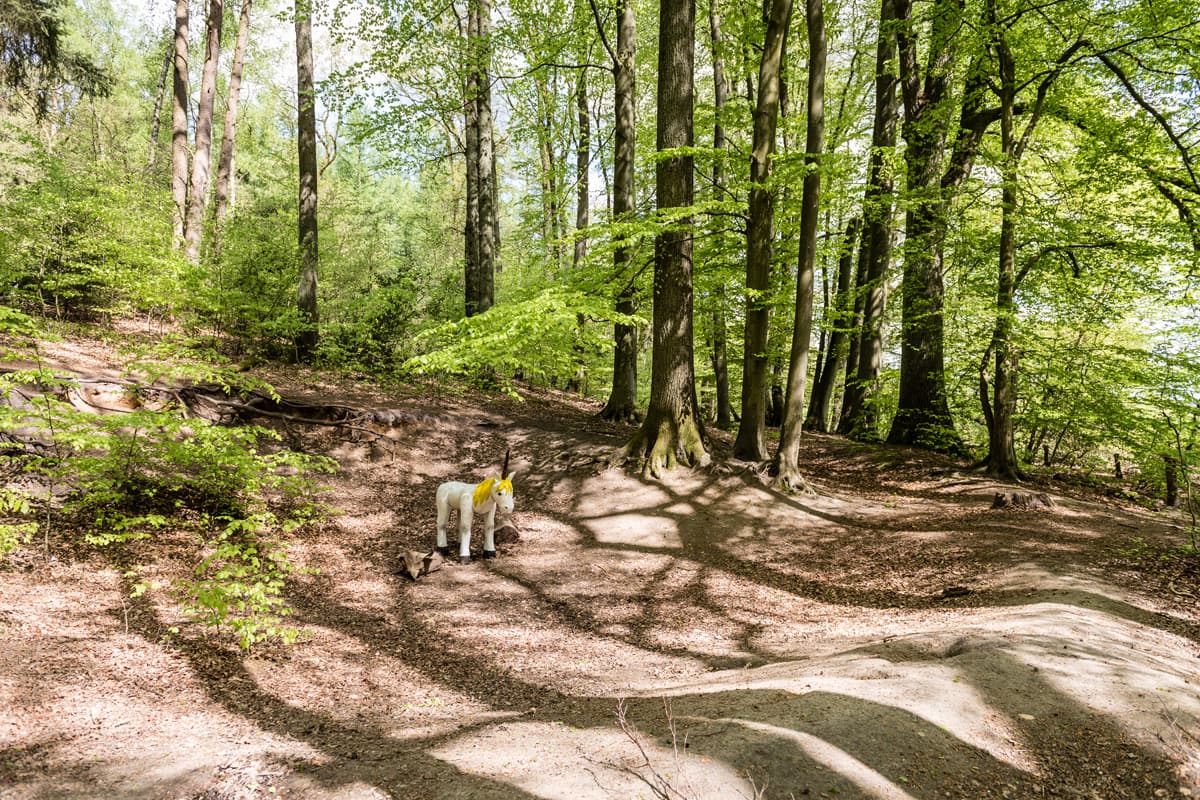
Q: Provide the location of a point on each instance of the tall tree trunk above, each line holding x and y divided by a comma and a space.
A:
193, 226
306, 101
622, 400
835, 351
546, 99
1002, 456
673, 430
788, 457
720, 97
179, 120
862, 373
223, 197
923, 414
159, 99
583, 160
471, 159
760, 238
856, 333
489, 240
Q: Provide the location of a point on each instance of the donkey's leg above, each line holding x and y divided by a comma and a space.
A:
466, 515
489, 534
443, 509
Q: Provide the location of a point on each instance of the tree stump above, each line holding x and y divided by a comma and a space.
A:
1024, 500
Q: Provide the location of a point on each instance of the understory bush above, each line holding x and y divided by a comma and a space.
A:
114, 479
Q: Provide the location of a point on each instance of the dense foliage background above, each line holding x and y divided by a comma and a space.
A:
1101, 324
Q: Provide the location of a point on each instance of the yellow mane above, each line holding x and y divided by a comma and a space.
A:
482, 492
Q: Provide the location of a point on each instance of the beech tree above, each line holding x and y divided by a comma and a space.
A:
481, 220
836, 349
720, 364
229, 130
306, 109
159, 99
858, 417
787, 459
760, 237
622, 398
673, 431
179, 119
934, 178
197, 196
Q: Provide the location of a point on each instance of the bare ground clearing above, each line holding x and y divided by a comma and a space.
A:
805, 647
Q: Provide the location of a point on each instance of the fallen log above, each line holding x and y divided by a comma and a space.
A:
212, 402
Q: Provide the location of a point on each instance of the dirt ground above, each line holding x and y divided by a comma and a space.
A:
698, 637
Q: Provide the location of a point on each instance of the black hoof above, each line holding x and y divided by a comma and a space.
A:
489, 553
465, 559
444, 550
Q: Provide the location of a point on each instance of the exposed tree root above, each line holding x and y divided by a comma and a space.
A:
625, 414
211, 402
790, 481
662, 444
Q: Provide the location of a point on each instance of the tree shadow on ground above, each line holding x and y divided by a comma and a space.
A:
797, 742
361, 753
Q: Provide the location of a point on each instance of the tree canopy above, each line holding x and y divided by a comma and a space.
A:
1001, 261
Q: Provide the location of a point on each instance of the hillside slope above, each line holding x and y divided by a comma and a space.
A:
894, 637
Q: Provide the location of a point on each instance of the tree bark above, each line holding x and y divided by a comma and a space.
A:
488, 215
583, 160
622, 400
858, 417
547, 96
923, 416
856, 332
159, 99
223, 198
673, 431
821, 407
179, 120
1002, 456
760, 238
471, 165
788, 475
720, 97
306, 100
193, 226
1171, 475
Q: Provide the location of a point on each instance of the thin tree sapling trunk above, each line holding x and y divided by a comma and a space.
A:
821, 407
159, 99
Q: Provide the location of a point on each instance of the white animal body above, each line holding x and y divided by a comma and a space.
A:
469, 499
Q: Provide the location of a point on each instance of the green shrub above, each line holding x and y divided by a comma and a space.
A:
128, 477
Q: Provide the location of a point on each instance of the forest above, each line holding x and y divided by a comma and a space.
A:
803, 287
